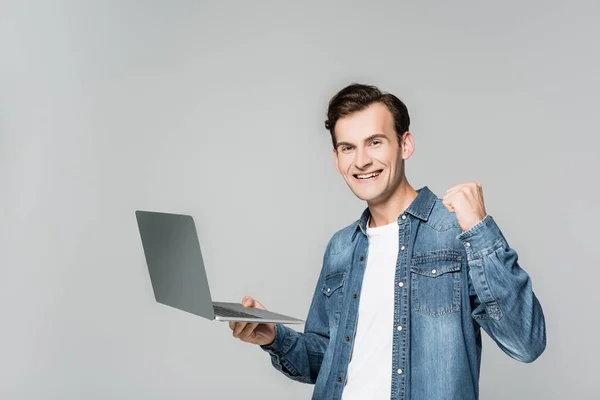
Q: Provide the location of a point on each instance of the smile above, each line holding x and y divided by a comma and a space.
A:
368, 177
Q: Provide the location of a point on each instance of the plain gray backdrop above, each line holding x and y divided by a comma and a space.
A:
216, 109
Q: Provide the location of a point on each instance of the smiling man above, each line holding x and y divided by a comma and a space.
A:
405, 289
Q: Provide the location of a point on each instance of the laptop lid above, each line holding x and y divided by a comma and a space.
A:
175, 263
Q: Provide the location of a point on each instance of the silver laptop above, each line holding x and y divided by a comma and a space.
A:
177, 273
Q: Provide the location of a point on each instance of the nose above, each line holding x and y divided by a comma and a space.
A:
362, 159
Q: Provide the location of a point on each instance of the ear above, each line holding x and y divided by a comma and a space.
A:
335, 160
408, 145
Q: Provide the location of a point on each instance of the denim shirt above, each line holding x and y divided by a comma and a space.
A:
448, 285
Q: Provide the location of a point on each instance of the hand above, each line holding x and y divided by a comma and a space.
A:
466, 201
250, 332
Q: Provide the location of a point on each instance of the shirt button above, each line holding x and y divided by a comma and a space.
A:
434, 271
399, 327
403, 216
355, 295
328, 290
468, 244
339, 378
399, 372
347, 338
402, 248
362, 258
401, 284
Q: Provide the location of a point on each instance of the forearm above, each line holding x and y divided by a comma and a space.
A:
297, 355
504, 304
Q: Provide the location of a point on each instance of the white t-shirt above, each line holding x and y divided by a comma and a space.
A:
370, 369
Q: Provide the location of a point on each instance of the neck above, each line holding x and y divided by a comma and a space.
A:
388, 210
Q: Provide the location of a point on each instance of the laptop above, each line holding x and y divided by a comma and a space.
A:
177, 272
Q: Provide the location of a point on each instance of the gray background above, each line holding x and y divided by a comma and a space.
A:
216, 109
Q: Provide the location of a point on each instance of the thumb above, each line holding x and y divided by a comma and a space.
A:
250, 302
259, 305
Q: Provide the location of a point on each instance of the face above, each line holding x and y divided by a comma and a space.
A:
368, 155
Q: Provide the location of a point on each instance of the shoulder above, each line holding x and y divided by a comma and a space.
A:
341, 239
439, 233
441, 219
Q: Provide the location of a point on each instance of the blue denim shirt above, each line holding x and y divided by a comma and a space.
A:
448, 285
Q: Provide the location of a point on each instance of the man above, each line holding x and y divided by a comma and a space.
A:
405, 289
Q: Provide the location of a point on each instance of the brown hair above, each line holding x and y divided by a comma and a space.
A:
357, 97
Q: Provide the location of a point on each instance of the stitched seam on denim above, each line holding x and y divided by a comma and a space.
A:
495, 300
491, 294
442, 228
336, 286
401, 297
436, 255
440, 271
436, 314
457, 290
476, 316
294, 372
500, 242
483, 268
481, 286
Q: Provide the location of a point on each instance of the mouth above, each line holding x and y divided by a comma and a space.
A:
371, 176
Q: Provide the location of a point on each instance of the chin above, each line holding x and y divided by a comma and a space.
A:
369, 197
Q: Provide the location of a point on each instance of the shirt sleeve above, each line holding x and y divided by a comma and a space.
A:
503, 301
299, 355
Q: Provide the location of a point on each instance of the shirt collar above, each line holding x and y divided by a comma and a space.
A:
420, 208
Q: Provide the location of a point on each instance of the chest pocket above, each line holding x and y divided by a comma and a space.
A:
333, 288
436, 282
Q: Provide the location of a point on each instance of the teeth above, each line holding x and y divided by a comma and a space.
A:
367, 176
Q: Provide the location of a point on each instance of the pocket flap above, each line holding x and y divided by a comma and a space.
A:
333, 282
437, 263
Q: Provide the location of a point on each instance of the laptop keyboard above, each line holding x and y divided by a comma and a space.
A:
226, 312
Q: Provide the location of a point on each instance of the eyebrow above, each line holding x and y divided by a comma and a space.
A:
375, 136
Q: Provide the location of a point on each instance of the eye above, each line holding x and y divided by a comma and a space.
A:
346, 148
376, 142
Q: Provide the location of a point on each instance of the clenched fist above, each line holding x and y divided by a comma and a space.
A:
466, 201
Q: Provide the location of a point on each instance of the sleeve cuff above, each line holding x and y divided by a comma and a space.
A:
278, 346
483, 235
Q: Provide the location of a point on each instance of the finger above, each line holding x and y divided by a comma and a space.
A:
248, 331
457, 198
453, 191
451, 196
471, 188
257, 304
239, 327
235, 326
448, 207
455, 187
248, 301
447, 202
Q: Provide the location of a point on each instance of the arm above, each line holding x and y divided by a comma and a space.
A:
299, 355
503, 303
